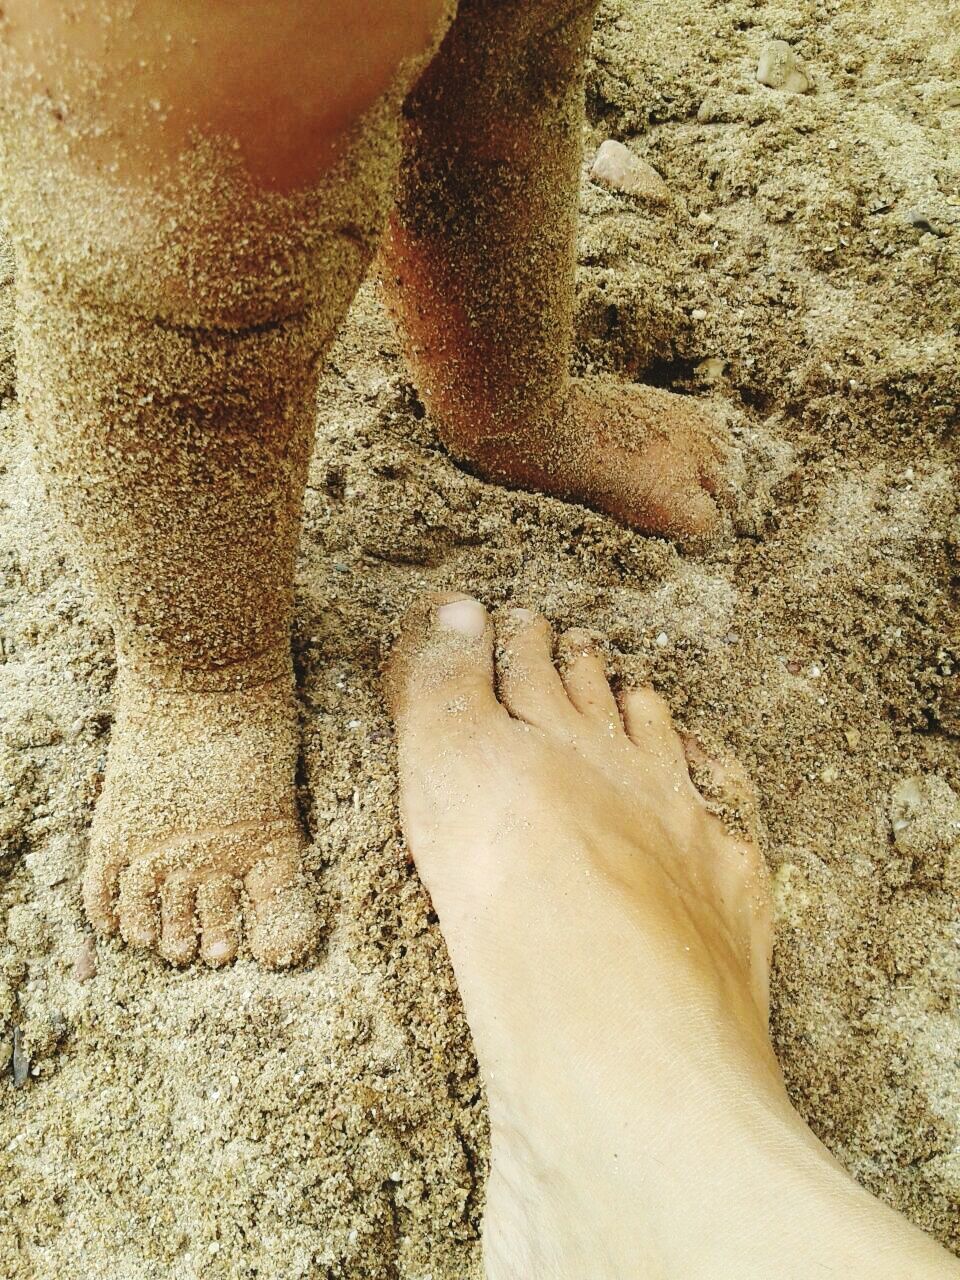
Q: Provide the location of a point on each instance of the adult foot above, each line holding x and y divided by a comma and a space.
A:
198, 814
611, 941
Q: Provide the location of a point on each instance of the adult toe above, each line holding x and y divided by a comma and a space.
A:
440, 672
725, 781
649, 725
585, 678
529, 683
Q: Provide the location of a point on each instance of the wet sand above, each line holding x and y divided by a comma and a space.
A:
802, 280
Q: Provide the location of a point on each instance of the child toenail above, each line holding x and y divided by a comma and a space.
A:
522, 615
218, 951
468, 617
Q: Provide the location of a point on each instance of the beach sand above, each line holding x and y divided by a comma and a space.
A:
801, 278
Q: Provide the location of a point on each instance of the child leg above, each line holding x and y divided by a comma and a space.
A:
176, 289
480, 259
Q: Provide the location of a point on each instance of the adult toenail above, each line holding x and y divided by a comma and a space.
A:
468, 617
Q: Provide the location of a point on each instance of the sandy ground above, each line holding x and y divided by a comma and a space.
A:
803, 280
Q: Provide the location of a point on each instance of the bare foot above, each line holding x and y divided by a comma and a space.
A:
198, 813
480, 261
651, 459
611, 941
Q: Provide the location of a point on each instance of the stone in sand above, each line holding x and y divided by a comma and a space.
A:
21, 1060
711, 370
925, 817
616, 166
85, 961
780, 68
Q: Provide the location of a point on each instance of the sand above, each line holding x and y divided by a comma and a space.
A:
803, 282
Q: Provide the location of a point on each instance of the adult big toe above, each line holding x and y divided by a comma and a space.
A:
440, 673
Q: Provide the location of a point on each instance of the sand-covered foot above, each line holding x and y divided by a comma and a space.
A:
649, 458
611, 940
196, 834
653, 459
479, 270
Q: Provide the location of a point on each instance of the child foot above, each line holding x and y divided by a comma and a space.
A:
651, 459
198, 814
611, 941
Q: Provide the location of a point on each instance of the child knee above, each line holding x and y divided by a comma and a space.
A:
187, 227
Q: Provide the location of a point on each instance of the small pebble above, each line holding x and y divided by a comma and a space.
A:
780, 68
712, 369
698, 313
794, 667
21, 1061
922, 221
907, 802
85, 961
616, 166
815, 671
853, 738
663, 639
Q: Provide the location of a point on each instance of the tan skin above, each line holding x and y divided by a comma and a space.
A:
130, 87
283, 79
611, 941
480, 272
610, 938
